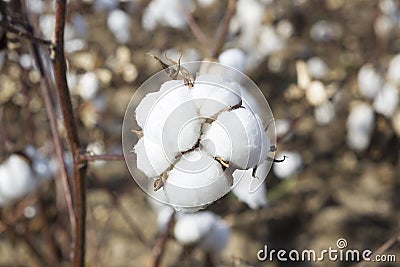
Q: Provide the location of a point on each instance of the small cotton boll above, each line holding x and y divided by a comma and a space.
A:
284, 28
237, 136
26, 61
195, 180
165, 13
290, 166
16, 178
119, 23
316, 93
269, 41
212, 93
387, 100
152, 158
324, 113
88, 85
46, 25
369, 81
393, 73
192, 228
360, 124
241, 190
217, 239
234, 58
317, 67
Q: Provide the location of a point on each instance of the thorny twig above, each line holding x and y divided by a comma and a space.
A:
159, 248
60, 68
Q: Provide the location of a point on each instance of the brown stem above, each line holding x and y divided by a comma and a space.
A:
106, 157
159, 248
23, 34
223, 29
60, 68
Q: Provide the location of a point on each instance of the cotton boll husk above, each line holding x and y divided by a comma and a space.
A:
360, 124
241, 190
237, 136
387, 100
324, 113
216, 240
290, 166
316, 93
369, 81
393, 73
212, 93
195, 181
234, 58
119, 23
16, 178
192, 228
152, 158
317, 67
173, 120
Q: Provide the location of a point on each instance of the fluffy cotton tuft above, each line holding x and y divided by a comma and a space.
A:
290, 166
360, 124
234, 58
119, 23
165, 13
387, 100
369, 81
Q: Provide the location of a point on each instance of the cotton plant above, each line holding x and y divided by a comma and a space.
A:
194, 134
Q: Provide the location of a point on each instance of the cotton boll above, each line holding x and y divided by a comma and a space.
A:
46, 25
97, 148
195, 181
290, 166
282, 128
212, 93
119, 23
16, 178
324, 113
284, 28
152, 158
317, 67
88, 85
269, 41
360, 124
192, 228
387, 100
163, 217
165, 13
369, 81
393, 73
216, 240
145, 106
316, 93
234, 58
241, 190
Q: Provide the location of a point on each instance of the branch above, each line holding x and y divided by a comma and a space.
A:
159, 248
223, 29
59, 65
105, 157
23, 34
384, 247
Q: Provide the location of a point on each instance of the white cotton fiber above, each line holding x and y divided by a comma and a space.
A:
217, 238
237, 136
387, 100
119, 23
316, 93
152, 158
360, 124
212, 93
369, 81
324, 113
195, 180
290, 166
191, 228
234, 58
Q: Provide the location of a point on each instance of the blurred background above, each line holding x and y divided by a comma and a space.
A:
330, 70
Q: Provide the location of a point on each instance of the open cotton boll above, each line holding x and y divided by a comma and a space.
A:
173, 120
316, 93
152, 158
119, 23
143, 109
212, 93
237, 136
241, 190
192, 228
387, 100
290, 166
195, 180
166, 13
234, 58
360, 124
324, 113
369, 81
393, 73
16, 178
88, 85
217, 239
317, 67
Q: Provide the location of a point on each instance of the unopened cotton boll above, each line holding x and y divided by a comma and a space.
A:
119, 23
237, 136
195, 180
369, 81
360, 124
234, 58
16, 178
290, 166
387, 100
393, 73
88, 85
212, 93
316, 93
204, 229
317, 67
241, 190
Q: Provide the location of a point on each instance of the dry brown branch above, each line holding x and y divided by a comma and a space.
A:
159, 248
223, 29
